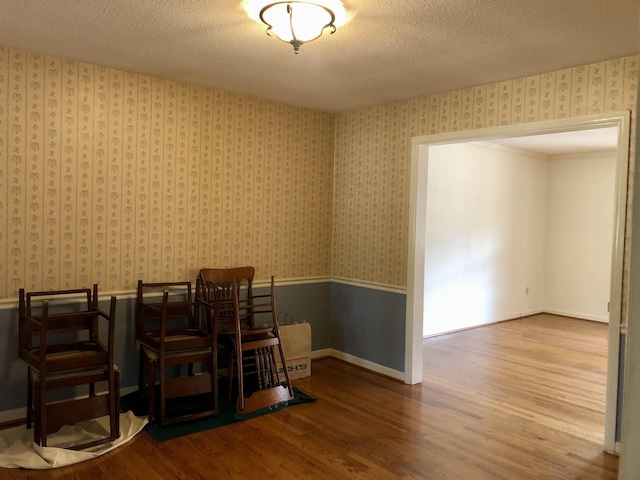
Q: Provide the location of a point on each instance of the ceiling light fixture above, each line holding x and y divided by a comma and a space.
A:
297, 22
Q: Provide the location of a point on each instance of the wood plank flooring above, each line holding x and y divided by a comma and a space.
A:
517, 400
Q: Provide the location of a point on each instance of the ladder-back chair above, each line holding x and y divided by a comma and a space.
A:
172, 340
246, 323
59, 340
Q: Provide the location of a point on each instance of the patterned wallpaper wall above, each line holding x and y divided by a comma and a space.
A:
108, 176
371, 188
111, 177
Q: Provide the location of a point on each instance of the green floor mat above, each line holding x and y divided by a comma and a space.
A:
226, 413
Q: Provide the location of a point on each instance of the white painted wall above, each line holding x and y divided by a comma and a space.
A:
501, 221
486, 229
579, 234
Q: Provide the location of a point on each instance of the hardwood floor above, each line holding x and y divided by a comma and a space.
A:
517, 400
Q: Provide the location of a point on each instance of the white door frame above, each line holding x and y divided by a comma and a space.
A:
417, 223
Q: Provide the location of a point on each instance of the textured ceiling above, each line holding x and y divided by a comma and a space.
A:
387, 51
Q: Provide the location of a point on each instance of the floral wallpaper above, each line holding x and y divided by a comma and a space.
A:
372, 156
111, 177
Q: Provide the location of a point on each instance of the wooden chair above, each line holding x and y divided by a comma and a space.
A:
63, 350
172, 340
247, 324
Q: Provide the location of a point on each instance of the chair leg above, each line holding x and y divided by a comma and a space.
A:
29, 399
35, 413
114, 399
213, 372
163, 391
41, 413
151, 388
239, 367
230, 368
141, 372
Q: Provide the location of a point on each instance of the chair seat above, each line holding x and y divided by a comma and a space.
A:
67, 356
69, 374
176, 339
230, 330
153, 354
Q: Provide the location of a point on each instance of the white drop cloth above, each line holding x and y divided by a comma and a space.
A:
17, 449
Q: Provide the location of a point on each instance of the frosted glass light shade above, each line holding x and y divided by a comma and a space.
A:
297, 22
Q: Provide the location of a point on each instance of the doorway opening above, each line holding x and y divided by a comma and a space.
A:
422, 148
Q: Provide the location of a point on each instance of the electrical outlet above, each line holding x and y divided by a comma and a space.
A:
526, 291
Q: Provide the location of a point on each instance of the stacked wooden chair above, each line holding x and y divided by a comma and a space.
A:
59, 340
173, 342
247, 324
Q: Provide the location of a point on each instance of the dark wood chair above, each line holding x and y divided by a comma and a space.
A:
247, 324
172, 342
59, 340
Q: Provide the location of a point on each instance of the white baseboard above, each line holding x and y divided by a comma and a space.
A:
325, 352
360, 362
126, 390
484, 324
491, 321
617, 449
529, 313
581, 316
12, 415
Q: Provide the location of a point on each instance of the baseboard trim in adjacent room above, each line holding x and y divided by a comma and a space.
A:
492, 322
532, 313
579, 316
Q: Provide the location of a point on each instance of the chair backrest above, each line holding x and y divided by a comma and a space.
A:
227, 275
150, 299
70, 315
53, 317
216, 287
263, 307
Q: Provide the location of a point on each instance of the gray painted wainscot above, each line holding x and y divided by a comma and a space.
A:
356, 323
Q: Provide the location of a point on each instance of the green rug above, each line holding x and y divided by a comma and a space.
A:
226, 412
